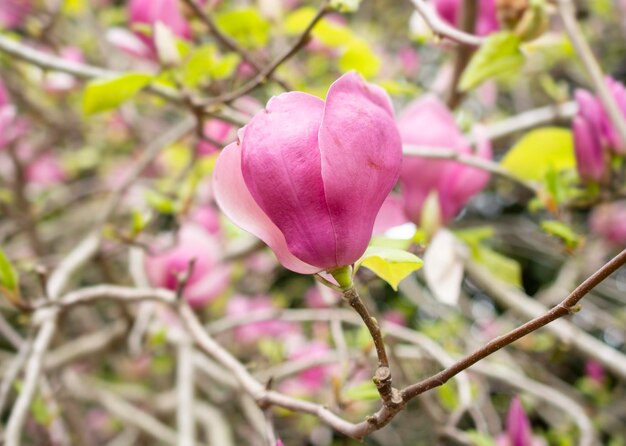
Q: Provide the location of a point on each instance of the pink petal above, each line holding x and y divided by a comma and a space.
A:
281, 167
361, 155
391, 214
235, 200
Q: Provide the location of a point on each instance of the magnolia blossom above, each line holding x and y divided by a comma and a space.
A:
428, 123
208, 278
486, 22
308, 177
241, 305
594, 133
144, 14
608, 220
518, 430
13, 12
45, 170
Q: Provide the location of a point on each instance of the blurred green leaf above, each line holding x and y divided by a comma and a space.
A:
360, 57
539, 151
107, 94
498, 56
480, 439
160, 202
206, 63
246, 25
365, 391
502, 267
562, 231
390, 264
345, 5
447, 396
8, 275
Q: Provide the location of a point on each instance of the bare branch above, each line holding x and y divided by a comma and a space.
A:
443, 28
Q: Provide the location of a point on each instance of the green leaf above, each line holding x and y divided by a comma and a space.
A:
499, 56
447, 396
107, 94
206, 63
502, 267
360, 57
160, 202
246, 26
365, 391
8, 276
562, 231
539, 151
345, 5
390, 264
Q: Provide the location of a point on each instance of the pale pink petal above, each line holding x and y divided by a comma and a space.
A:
235, 200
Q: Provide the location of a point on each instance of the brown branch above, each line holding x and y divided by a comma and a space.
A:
566, 307
469, 13
264, 74
382, 376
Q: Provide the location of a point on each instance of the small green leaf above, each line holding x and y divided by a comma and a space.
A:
539, 151
8, 276
365, 391
479, 439
447, 396
390, 264
502, 267
160, 202
562, 231
246, 26
345, 5
499, 56
107, 94
360, 57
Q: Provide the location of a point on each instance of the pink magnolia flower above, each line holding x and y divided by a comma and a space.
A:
487, 20
308, 177
242, 305
518, 430
148, 13
592, 112
14, 12
608, 220
208, 278
428, 123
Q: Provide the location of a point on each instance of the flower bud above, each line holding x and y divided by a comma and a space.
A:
299, 173
607, 221
428, 123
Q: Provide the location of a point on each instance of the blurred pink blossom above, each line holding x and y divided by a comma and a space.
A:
595, 371
428, 123
395, 317
518, 431
487, 20
608, 220
206, 217
208, 278
219, 131
14, 12
45, 170
56, 81
313, 379
241, 305
409, 61
321, 297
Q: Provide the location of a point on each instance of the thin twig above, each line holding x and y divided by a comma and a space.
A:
264, 74
469, 14
469, 160
443, 28
228, 42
